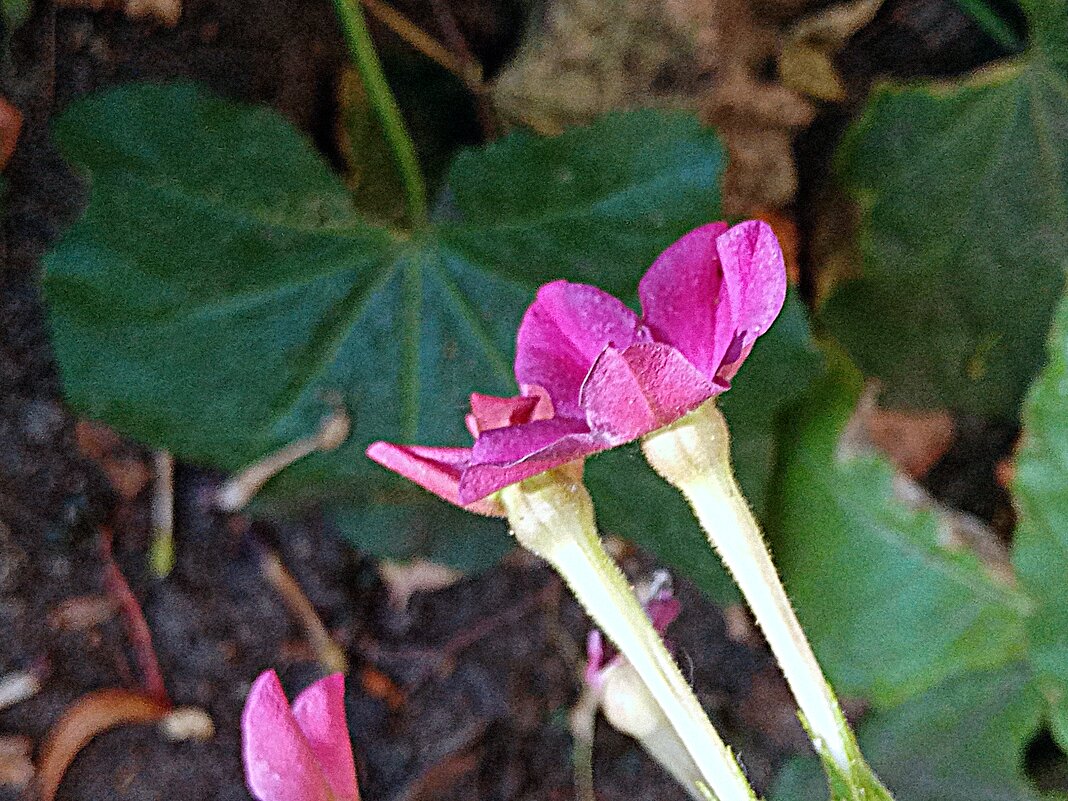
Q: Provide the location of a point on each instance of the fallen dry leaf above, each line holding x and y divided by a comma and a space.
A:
806, 59
913, 440
10, 128
378, 685
85, 718
166, 11
95, 440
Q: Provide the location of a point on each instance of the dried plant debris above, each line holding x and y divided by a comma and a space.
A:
757, 116
167, 12
584, 58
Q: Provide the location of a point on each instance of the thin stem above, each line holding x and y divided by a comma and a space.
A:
363, 52
734, 533
693, 454
992, 25
423, 41
552, 516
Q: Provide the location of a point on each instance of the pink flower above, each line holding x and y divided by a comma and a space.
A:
300, 752
596, 375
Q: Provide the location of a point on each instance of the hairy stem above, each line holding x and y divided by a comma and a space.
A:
693, 454
552, 516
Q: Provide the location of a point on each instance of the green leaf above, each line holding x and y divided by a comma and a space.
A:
14, 13
595, 204
221, 291
963, 740
963, 192
889, 610
1040, 553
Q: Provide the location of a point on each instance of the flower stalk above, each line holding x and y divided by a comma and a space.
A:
551, 515
693, 454
631, 709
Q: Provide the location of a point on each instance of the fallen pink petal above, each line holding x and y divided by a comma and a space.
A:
298, 752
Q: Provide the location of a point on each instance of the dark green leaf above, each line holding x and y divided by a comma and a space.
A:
1041, 546
963, 740
963, 190
220, 292
890, 611
595, 204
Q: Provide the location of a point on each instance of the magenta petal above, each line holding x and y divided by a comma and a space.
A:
434, 469
662, 611
682, 294
645, 387
279, 763
506, 446
755, 276
490, 411
320, 713
482, 479
563, 332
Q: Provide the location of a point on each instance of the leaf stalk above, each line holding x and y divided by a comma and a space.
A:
365, 57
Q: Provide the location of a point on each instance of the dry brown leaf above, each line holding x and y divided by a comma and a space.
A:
167, 12
10, 128
85, 718
806, 59
95, 440
913, 440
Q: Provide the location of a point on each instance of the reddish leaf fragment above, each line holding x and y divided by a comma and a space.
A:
10, 128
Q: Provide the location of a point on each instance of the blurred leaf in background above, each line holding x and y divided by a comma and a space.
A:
1041, 549
962, 669
963, 189
963, 740
221, 289
890, 607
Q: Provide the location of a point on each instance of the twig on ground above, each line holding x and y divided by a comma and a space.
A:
133, 619
328, 652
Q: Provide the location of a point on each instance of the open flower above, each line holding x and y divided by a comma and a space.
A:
442, 470
300, 752
596, 375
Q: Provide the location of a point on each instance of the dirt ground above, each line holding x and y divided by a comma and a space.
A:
462, 695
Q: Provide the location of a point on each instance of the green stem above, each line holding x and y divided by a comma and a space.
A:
992, 25
693, 454
631, 709
358, 38
551, 515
